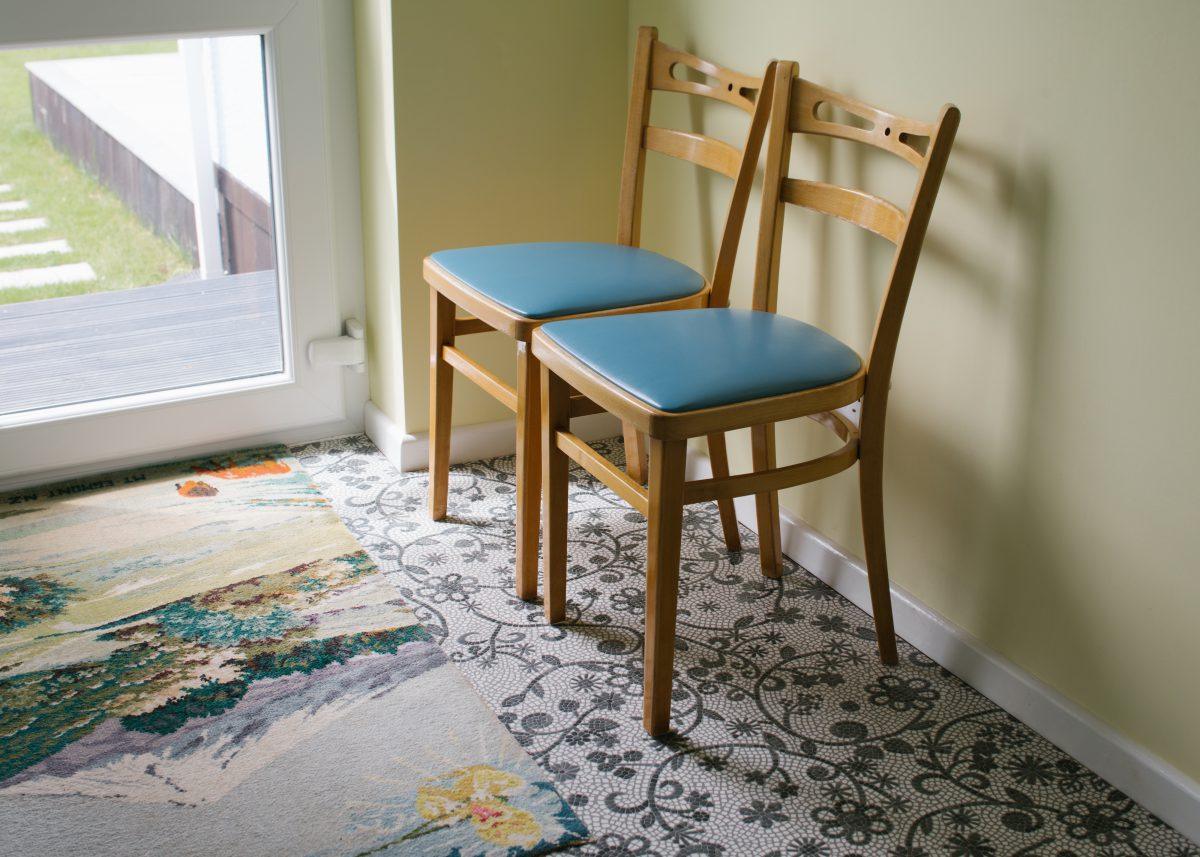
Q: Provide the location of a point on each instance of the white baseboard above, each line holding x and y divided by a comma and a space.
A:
467, 443
1164, 790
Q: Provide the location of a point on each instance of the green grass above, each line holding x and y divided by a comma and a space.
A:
100, 229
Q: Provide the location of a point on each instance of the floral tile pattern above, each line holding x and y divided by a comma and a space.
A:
199, 658
791, 739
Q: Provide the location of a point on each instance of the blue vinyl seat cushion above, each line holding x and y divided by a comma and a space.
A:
685, 360
551, 279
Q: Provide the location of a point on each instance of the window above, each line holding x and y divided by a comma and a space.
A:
137, 231
277, 84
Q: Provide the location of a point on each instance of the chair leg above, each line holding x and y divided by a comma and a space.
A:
718, 456
662, 578
441, 396
870, 483
635, 453
529, 475
770, 549
556, 411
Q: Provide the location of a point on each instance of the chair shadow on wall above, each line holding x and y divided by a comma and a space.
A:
1005, 529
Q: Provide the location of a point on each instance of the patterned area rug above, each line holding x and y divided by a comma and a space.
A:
791, 738
200, 659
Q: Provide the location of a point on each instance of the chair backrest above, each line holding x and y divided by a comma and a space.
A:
654, 68
796, 109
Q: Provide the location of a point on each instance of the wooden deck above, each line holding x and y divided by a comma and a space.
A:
100, 346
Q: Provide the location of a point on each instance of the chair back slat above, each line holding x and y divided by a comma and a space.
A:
654, 67
727, 85
715, 155
858, 207
875, 127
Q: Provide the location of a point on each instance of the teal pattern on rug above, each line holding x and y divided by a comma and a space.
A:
199, 657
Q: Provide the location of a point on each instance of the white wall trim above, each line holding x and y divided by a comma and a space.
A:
467, 443
1164, 790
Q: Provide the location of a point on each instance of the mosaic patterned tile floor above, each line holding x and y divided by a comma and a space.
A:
791, 738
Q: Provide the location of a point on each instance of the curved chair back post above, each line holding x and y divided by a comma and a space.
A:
882, 353
633, 163
654, 68
770, 224
736, 217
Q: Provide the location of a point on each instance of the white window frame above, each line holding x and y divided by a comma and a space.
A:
309, 65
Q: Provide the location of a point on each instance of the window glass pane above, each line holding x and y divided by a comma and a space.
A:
137, 237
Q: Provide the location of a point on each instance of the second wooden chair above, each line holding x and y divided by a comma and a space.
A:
515, 288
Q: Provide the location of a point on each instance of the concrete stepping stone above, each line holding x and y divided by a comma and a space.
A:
15, 205
28, 224
5, 188
38, 248
55, 275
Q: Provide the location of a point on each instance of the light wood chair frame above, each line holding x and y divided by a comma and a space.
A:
653, 71
794, 104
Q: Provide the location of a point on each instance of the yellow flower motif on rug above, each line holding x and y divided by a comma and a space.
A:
479, 794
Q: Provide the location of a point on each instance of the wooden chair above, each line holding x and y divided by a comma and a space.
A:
514, 288
694, 372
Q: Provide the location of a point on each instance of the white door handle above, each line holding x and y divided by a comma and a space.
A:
348, 350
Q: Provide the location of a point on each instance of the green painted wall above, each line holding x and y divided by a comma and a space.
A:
1041, 466
509, 122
